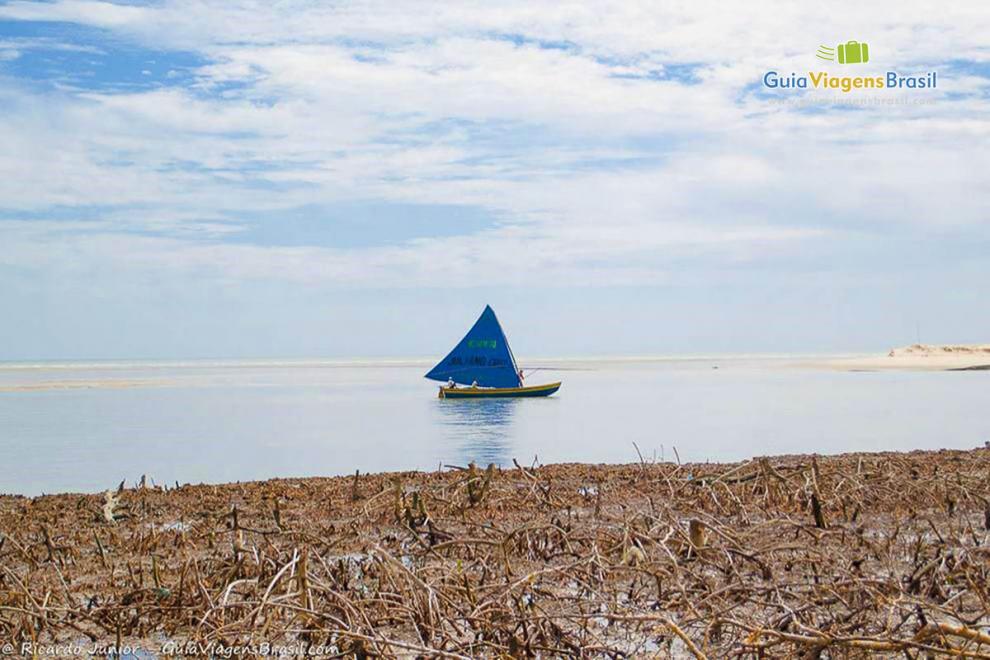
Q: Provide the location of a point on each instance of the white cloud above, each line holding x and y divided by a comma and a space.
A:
557, 120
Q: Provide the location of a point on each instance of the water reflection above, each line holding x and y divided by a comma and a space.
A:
478, 431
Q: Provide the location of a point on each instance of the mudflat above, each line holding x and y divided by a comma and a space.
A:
855, 554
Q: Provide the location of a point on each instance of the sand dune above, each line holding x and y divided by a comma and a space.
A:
921, 357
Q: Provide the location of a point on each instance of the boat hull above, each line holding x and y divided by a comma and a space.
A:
498, 392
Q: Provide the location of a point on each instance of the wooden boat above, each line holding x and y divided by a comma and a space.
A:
497, 392
483, 365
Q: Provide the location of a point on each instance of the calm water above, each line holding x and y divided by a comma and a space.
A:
80, 427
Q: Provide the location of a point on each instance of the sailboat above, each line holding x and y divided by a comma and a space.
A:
483, 363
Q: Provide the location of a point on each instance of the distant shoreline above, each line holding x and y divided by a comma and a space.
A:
41, 376
376, 362
917, 357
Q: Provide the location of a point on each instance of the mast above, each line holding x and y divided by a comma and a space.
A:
512, 357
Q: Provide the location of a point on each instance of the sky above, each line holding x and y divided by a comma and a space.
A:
184, 179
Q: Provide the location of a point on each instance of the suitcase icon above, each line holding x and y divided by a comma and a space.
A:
853, 52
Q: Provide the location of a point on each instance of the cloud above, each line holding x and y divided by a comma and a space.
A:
99, 14
616, 144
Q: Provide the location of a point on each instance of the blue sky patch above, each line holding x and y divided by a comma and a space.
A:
69, 55
358, 224
685, 73
543, 44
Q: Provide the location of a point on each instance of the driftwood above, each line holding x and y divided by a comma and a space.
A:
848, 556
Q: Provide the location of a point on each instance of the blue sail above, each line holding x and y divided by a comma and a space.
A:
483, 356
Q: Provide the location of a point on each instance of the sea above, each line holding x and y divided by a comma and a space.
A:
87, 426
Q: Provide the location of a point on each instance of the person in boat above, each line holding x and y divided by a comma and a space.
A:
451, 385
521, 377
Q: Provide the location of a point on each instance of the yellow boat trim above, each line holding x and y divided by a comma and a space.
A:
482, 391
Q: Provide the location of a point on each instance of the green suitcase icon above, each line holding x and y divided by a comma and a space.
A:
853, 52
